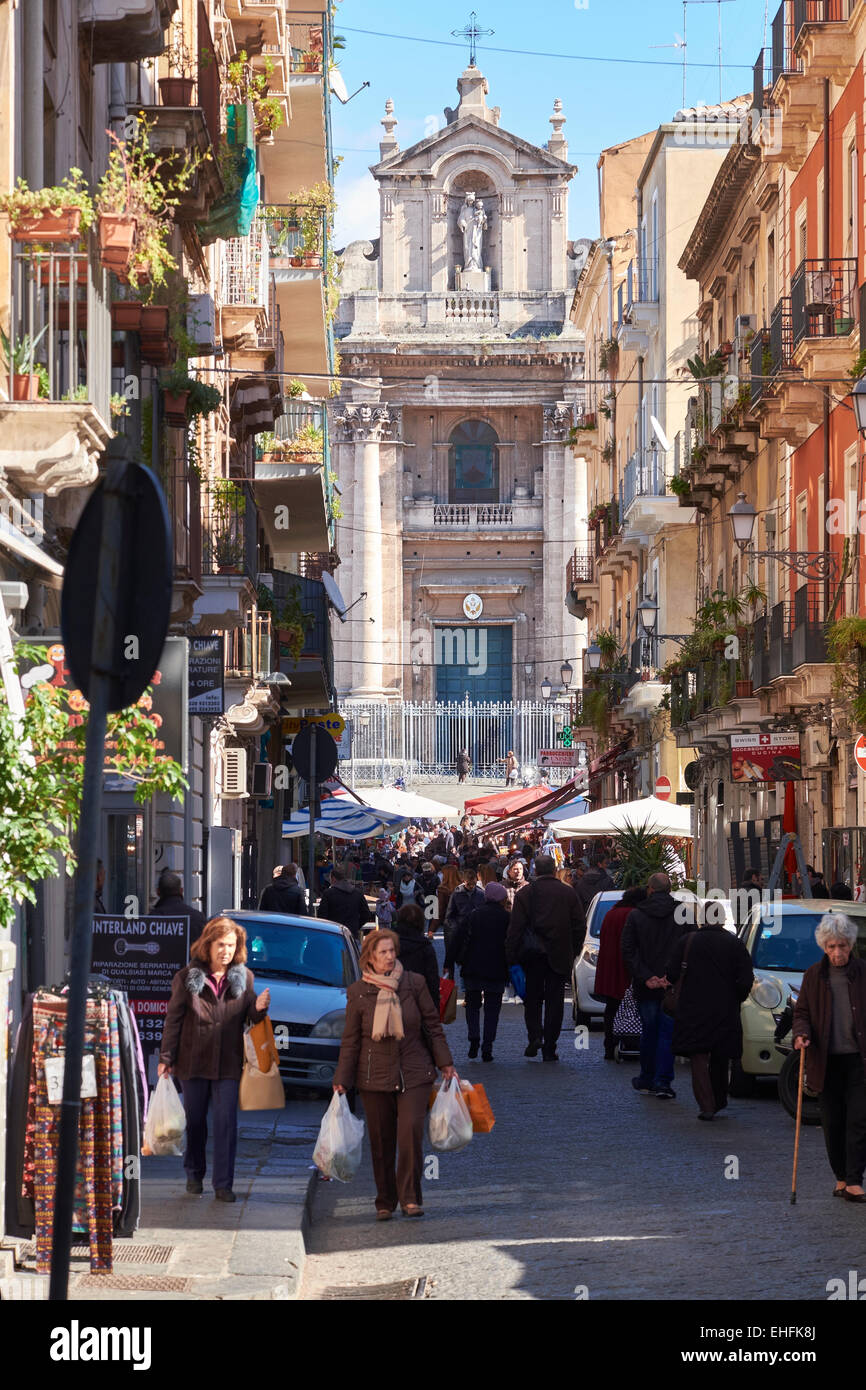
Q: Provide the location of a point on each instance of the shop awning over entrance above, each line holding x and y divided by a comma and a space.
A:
506, 803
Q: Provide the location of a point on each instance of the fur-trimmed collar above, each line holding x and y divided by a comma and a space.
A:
196, 979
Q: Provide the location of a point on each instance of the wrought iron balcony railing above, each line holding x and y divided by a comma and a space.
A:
580, 568
229, 529
824, 298
297, 235
246, 269
644, 476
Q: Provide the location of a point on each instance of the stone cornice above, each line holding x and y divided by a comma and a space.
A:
370, 423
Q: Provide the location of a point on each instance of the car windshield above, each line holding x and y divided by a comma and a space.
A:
786, 940
602, 908
285, 951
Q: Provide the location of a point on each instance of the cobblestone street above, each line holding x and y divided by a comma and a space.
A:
584, 1183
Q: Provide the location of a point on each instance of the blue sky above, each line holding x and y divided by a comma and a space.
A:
604, 101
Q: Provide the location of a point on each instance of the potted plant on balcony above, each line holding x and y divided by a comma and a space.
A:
227, 506
140, 186
608, 355
177, 89
307, 446
29, 378
44, 215
681, 485
846, 646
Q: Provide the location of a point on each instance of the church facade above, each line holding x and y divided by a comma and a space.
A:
462, 377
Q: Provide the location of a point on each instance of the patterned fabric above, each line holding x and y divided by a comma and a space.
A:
95, 1136
116, 1113
627, 1023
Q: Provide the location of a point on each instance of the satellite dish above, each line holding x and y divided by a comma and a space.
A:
335, 598
660, 434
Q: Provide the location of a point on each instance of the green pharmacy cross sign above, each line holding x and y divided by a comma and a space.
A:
565, 736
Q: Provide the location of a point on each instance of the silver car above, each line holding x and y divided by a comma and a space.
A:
307, 963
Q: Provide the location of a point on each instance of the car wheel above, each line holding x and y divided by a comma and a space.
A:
741, 1084
789, 1078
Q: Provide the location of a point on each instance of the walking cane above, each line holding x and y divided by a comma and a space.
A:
797, 1126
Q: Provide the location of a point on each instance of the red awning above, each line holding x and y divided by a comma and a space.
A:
506, 803
560, 797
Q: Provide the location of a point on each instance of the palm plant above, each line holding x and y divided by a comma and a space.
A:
641, 852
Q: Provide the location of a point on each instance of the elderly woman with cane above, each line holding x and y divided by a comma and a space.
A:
392, 1044
830, 1025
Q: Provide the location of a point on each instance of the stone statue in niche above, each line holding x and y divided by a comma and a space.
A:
472, 223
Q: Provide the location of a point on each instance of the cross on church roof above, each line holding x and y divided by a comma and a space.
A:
471, 32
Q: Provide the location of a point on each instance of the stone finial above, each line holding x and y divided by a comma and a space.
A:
557, 144
388, 143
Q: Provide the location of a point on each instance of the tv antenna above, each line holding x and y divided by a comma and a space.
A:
681, 42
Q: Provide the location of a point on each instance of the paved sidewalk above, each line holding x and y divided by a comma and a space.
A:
189, 1248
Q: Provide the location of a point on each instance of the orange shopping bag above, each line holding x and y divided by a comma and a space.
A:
479, 1107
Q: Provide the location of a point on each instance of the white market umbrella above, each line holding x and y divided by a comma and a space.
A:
409, 804
344, 819
649, 813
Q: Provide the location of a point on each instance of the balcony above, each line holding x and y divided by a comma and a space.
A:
298, 255
254, 21
823, 40
789, 407
632, 333
56, 414
644, 306
245, 288
299, 157
249, 649
183, 499
312, 671
521, 515
824, 316
810, 43
581, 582
229, 554
646, 504
789, 656
122, 31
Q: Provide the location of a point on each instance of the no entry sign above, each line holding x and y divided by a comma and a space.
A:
663, 788
860, 752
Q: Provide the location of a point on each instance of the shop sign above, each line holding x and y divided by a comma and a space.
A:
141, 955
772, 757
206, 695
558, 757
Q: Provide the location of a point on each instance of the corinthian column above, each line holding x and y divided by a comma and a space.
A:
365, 428
562, 634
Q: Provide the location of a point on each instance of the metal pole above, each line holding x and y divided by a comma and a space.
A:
311, 857
111, 546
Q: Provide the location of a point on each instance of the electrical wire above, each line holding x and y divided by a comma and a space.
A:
569, 57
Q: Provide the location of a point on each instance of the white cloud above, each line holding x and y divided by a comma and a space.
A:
357, 211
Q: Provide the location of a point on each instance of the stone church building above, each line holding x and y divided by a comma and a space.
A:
462, 377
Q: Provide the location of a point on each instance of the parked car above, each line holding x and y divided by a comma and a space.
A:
584, 1007
307, 963
780, 938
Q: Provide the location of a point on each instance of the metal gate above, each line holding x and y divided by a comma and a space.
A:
419, 741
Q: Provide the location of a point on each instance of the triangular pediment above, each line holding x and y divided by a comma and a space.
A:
417, 158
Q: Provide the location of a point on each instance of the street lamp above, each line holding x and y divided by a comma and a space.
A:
566, 672
811, 564
859, 396
648, 613
546, 689
592, 656
527, 669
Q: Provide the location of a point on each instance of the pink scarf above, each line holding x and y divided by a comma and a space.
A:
388, 1018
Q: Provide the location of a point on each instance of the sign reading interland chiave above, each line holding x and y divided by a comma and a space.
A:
206, 675
141, 955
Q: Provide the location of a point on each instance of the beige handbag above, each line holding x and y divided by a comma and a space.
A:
261, 1090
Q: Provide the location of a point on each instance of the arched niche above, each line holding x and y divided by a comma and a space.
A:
473, 462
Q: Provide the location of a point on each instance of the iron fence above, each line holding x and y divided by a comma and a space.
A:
824, 298
420, 740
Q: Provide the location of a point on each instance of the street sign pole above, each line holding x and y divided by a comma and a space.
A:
102, 677
313, 789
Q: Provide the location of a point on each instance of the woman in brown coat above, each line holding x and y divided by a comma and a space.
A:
392, 1044
212, 1000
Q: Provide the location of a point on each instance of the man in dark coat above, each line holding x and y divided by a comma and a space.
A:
552, 910
343, 902
170, 903
285, 894
649, 939
717, 976
478, 945
465, 898
415, 952
595, 880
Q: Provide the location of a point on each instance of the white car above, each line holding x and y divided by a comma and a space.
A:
584, 1006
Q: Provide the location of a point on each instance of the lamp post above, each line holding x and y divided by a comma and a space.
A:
592, 657
648, 616
566, 672
858, 396
811, 564
546, 689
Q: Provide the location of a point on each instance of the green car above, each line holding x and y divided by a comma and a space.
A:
780, 938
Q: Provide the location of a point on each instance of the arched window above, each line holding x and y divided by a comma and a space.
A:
473, 463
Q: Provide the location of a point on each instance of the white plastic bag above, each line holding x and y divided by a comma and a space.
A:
165, 1129
338, 1148
450, 1121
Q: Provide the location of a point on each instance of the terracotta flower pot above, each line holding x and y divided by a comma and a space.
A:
57, 271
116, 240
744, 688
48, 227
176, 91
154, 320
174, 404
126, 315
311, 260
296, 261
25, 386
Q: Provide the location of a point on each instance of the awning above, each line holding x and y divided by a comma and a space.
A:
505, 803
532, 811
15, 541
649, 813
578, 807
408, 804
344, 818
293, 508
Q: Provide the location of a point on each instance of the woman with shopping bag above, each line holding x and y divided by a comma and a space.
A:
212, 1000
392, 1045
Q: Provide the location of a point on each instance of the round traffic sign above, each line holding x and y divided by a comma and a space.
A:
860, 752
663, 788
326, 752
